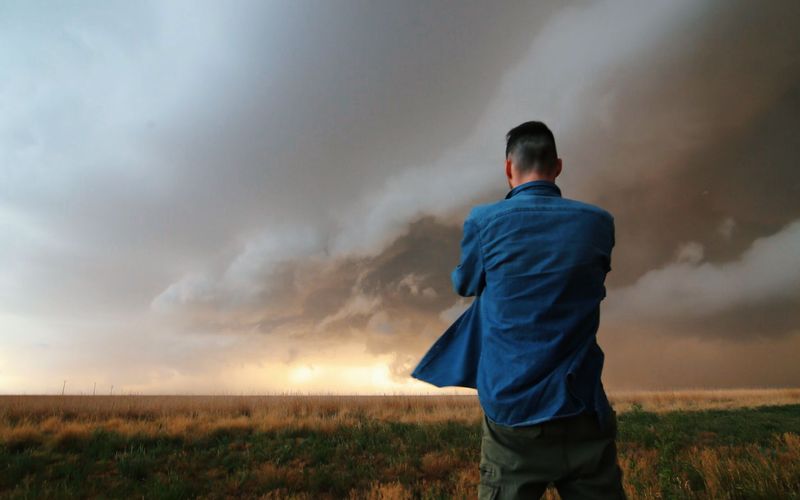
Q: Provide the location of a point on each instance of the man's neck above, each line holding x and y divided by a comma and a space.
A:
517, 182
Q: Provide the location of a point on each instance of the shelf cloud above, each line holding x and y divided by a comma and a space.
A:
196, 197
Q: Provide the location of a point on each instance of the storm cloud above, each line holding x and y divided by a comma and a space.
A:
197, 195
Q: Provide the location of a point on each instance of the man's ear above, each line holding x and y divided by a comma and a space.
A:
558, 168
508, 168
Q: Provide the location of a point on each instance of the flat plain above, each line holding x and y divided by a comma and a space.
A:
735, 443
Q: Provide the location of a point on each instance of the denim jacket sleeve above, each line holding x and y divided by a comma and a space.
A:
469, 276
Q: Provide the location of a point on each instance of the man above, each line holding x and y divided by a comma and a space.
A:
536, 264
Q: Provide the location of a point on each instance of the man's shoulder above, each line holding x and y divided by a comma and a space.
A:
486, 211
589, 207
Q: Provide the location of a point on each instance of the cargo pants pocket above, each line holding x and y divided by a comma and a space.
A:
487, 488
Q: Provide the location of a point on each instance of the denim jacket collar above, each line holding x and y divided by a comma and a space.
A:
539, 187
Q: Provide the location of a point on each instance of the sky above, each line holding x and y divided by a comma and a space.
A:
255, 197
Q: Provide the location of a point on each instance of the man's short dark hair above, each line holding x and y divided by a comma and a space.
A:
532, 147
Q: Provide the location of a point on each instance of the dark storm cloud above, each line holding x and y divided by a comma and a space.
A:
340, 204
756, 295
682, 155
410, 280
707, 132
694, 169
300, 170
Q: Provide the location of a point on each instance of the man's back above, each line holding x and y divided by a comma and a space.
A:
538, 262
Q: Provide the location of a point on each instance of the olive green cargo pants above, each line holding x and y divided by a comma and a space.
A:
571, 452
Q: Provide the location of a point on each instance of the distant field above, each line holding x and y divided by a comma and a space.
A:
681, 444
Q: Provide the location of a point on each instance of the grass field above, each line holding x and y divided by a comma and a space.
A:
683, 444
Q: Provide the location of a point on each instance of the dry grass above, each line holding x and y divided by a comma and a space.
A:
416, 409
60, 417
383, 491
751, 467
64, 418
702, 399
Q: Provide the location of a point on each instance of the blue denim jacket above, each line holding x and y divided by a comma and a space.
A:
536, 263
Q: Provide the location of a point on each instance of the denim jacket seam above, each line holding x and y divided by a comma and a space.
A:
478, 230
